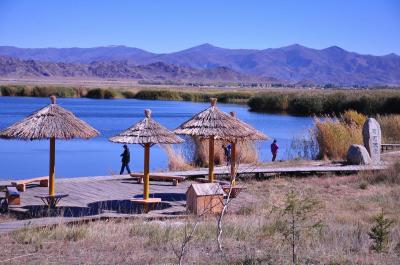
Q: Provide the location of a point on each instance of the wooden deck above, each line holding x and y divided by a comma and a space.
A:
277, 170
110, 196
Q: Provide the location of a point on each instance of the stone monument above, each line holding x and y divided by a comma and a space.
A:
372, 139
358, 155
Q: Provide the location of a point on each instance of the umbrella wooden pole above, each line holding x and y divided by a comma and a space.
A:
52, 166
233, 156
233, 163
146, 184
211, 159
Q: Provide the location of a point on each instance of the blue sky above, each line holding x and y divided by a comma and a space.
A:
363, 26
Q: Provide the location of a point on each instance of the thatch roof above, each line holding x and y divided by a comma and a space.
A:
147, 131
213, 122
256, 134
48, 122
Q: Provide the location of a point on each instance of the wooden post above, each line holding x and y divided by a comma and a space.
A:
233, 163
211, 159
233, 156
52, 166
146, 184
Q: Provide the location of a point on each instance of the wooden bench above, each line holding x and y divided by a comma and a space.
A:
21, 184
175, 179
13, 196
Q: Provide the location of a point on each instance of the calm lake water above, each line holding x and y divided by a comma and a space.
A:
98, 156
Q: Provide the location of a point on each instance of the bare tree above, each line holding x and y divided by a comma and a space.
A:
298, 214
228, 200
187, 237
189, 232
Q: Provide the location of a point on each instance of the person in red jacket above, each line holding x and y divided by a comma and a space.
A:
274, 150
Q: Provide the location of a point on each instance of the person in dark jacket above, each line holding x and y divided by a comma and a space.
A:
126, 158
228, 153
274, 150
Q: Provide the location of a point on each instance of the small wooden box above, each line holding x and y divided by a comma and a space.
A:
203, 198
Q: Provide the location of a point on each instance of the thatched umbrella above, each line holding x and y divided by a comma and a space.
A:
255, 136
51, 122
214, 124
146, 133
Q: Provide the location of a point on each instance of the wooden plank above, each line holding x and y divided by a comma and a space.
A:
159, 177
282, 170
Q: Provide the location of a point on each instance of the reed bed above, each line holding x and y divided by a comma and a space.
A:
194, 153
246, 152
293, 101
334, 134
135, 93
318, 102
176, 159
390, 125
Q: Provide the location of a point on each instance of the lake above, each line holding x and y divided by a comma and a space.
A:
98, 156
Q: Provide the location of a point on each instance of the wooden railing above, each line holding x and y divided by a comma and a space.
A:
386, 147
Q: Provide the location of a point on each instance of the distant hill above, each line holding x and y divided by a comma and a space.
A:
294, 64
78, 55
158, 71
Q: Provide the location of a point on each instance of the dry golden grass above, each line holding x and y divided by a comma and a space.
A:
353, 117
334, 135
251, 232
246, 152
390, 126
176, 159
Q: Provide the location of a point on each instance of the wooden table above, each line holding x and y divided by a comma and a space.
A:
51, 200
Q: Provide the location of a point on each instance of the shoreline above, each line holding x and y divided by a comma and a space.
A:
297, 102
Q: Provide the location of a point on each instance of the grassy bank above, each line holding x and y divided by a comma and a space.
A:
383, 101
135, 93
291, 101
253, 230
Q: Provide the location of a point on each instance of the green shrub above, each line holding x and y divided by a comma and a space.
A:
110, 94
304, 105
158, 95
233, 97
269, 103
62, 92
14, 91
128, 94
380, 232
102, 93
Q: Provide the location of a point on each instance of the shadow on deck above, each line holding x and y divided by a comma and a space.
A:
100, 207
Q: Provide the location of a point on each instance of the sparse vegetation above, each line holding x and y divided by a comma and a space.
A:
251, 233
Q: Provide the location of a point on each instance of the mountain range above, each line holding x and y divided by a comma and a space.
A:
290, 64
155, 72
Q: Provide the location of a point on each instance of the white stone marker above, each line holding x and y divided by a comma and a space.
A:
372, 139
